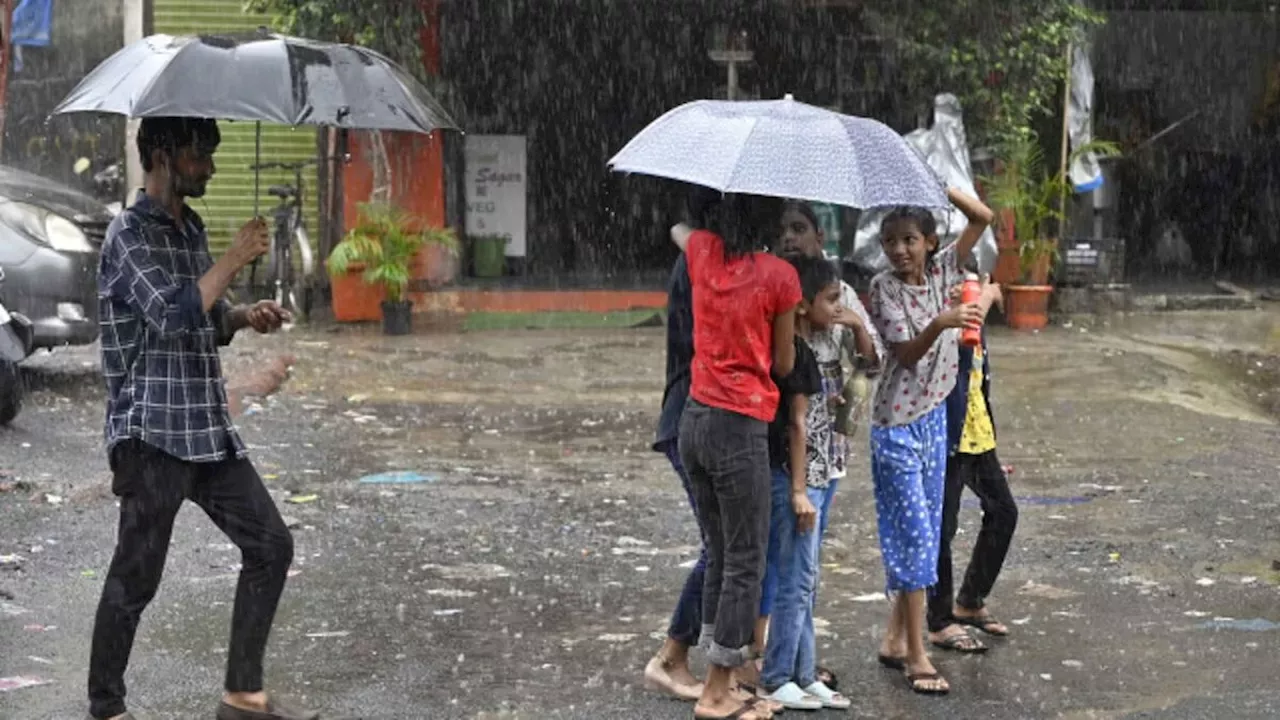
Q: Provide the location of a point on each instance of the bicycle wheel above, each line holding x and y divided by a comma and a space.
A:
305, 276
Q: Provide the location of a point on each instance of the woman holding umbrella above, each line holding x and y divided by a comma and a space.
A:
744, 305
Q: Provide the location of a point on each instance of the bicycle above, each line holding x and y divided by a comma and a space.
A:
289, 230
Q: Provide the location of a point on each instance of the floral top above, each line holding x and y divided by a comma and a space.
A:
901, 312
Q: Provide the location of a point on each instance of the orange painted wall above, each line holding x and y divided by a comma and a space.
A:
417, 185
417, 175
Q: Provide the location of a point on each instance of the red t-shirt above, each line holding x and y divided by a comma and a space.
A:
734, 304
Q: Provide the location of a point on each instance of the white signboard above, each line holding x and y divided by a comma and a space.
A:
496, 188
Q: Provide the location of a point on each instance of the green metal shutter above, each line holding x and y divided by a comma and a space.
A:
229, 202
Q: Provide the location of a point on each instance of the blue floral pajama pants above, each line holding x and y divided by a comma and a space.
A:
908, 468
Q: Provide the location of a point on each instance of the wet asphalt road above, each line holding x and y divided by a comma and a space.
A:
531, 574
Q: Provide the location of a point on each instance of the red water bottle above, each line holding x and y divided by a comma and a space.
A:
970, 292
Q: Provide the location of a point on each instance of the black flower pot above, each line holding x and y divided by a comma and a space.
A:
397, 317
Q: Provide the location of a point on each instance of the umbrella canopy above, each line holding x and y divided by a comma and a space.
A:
263, 77
783, 148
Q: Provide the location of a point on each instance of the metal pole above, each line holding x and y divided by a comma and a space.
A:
1066, 140
135, 21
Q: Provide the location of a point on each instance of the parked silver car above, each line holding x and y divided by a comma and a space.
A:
50, 237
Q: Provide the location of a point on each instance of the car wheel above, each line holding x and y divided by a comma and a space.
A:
10, 391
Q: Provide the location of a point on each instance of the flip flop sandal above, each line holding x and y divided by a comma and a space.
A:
915, 682
747, 707
275, 711
961, 642
891, 662
984, 624
761, 698
828, 678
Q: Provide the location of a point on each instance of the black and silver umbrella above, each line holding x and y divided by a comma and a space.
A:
260, 77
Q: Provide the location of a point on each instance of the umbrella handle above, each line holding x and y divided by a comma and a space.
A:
257, 162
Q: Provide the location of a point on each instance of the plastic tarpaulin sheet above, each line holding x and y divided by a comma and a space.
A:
946, 150
32, 23
1085, 172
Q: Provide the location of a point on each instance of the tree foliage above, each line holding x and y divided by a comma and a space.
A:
392, 27
1005, 60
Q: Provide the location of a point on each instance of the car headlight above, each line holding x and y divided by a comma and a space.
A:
47, 227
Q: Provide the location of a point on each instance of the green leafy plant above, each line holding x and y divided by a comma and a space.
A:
1035, 196
384, 244
1006, 61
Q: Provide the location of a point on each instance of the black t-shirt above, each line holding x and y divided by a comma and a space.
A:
679, 352
805, 379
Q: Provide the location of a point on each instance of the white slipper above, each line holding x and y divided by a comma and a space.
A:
793, 698
830, 698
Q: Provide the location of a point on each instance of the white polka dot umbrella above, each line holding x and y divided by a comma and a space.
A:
786, 149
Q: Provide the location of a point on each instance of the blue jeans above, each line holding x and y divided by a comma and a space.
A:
791, 653
686, 620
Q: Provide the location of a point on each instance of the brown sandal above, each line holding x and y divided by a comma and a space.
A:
916, 681
749, 706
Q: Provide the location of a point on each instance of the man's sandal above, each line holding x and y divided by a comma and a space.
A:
961, 642
987, 624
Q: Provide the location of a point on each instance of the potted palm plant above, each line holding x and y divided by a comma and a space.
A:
384, 244
1031, 198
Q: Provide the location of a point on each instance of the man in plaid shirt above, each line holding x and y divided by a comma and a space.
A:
169, 434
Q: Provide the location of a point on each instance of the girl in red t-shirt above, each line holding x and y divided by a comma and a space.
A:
744, 303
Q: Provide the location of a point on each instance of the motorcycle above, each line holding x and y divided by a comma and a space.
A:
107, 184
15, 345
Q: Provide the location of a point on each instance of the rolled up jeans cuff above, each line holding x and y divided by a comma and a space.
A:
722, 656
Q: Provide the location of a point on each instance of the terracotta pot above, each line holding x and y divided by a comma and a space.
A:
353, 299
1027, 306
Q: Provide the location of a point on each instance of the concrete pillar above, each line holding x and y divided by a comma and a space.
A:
135, 21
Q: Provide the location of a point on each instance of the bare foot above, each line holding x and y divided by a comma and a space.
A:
673, 678
256, 701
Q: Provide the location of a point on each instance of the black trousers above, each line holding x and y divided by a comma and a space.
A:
152, 486
727, 458
985, 477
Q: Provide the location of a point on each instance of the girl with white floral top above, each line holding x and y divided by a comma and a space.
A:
911, 308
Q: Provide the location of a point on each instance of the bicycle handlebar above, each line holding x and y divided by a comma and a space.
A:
295, 166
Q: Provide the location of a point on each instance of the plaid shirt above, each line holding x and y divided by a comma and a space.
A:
159, 347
